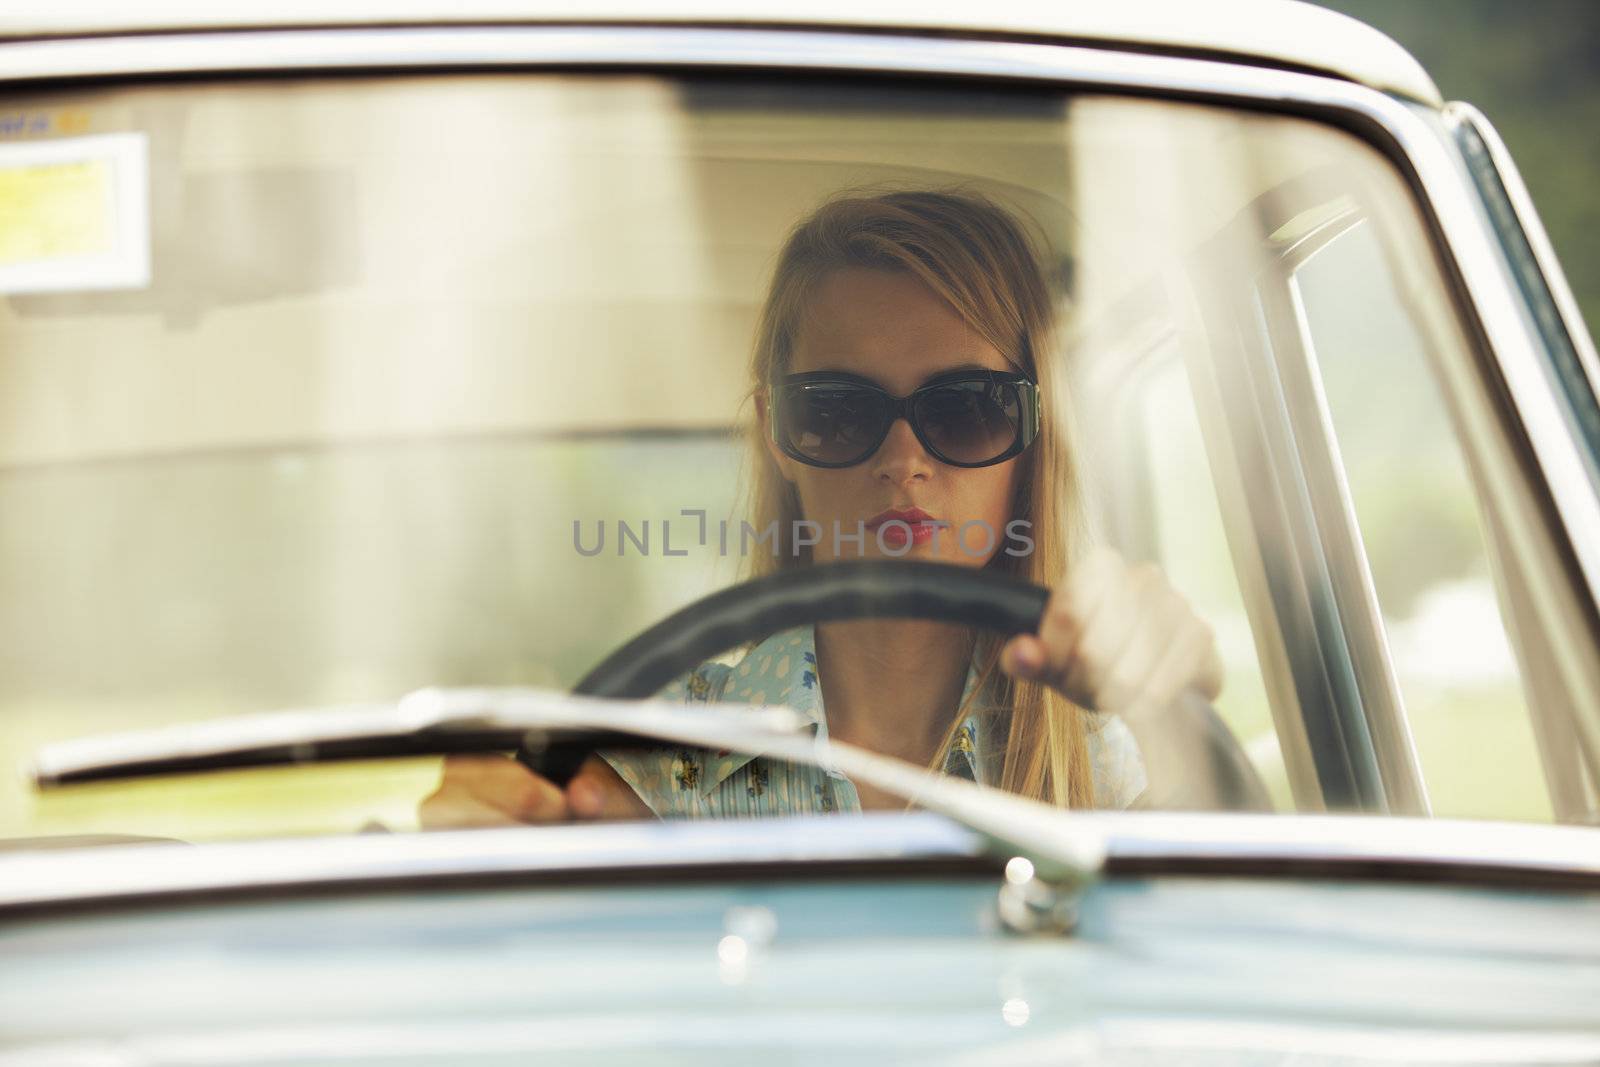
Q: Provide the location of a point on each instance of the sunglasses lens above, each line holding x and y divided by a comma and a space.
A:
970, 422
832, 423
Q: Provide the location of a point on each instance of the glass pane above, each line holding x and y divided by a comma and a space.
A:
1192, 544
350, 387
1420, 525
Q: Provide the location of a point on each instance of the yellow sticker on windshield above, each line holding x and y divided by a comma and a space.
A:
74, 214
54, 210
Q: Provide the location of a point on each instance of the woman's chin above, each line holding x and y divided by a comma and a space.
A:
927, 553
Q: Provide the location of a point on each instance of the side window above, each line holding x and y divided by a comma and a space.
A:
1189, 540
1423, 540
1155, 498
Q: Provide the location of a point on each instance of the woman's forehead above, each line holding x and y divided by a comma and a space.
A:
890, 327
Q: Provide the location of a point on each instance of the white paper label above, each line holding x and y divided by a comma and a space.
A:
74, 214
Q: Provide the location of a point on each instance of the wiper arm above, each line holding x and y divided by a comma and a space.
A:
1061, 850
429, 722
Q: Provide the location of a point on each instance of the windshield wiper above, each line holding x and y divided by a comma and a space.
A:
428, 722
1059, 850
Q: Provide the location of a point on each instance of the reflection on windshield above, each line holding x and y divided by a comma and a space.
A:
466, 381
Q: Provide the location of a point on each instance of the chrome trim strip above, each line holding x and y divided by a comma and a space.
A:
1419, 133
552, 45
1370, 846
1352, 839
1544, 253
1296, 37
407, 47
1355, 592
30, 879
1265, 423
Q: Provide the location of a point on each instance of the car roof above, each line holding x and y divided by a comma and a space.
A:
1282, 33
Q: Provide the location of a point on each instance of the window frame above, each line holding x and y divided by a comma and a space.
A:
1513, 420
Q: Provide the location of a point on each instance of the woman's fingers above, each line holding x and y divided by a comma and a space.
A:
498, 791
1159, 663
1128, 624
1053, 656
1116, 637
446, 809
491, 791
1190, 662
1024, 656
598, 792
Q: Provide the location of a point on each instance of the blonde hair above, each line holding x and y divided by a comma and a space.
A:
981, 260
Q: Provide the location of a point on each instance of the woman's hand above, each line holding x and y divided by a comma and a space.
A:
1118, 638
499, 791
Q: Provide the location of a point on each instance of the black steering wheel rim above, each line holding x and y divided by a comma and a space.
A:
861, 589
858, 589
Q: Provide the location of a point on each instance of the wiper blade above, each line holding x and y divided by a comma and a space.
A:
429, 722
1062, 850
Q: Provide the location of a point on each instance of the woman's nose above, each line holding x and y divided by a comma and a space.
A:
901, 457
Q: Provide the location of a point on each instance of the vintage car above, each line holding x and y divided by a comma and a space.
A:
334, 335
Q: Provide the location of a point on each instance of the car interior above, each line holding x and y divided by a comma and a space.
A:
406, 338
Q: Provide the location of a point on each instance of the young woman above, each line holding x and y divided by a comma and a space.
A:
903, 379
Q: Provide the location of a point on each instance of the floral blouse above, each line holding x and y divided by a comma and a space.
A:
701, 783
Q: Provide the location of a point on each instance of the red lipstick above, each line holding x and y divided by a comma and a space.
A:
921, 524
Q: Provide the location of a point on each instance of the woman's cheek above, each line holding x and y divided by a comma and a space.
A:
827, 511
972, 543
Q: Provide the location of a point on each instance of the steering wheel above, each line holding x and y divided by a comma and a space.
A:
875, 589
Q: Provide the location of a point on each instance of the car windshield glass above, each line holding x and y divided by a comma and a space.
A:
320, 391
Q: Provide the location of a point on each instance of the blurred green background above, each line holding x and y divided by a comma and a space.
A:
1534, 69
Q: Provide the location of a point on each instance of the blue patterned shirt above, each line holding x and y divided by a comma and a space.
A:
700, 783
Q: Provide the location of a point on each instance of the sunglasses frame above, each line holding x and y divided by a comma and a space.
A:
1030, 402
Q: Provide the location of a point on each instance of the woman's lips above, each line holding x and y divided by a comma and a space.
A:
918, 526
921, 533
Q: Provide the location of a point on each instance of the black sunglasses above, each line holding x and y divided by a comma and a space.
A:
966, 418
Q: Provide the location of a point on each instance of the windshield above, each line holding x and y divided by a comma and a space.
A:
321, 391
